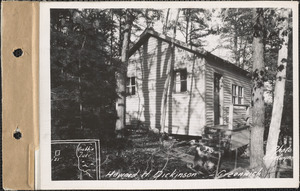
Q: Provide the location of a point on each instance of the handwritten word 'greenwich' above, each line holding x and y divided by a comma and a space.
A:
154, 175
246, 173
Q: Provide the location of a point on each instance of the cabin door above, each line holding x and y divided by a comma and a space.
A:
217, 98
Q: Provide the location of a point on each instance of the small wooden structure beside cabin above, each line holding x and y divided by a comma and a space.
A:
184, 88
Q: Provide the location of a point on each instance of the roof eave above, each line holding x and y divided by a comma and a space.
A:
201, 52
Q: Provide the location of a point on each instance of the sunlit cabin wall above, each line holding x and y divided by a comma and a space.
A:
188, 108
150, 66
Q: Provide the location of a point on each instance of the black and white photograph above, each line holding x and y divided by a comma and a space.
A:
170, 93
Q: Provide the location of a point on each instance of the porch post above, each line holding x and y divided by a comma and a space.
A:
230, 117
221, 102
247, 115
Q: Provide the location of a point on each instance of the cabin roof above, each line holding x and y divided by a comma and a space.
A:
198, 51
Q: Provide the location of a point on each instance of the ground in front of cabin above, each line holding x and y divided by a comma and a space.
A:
140, 156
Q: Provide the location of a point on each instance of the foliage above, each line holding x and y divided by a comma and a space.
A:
287, 116
138, 18
237, 32
273, 43
195, 26
82, 74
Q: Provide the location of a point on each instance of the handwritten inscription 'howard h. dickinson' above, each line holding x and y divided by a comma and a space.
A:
151, 175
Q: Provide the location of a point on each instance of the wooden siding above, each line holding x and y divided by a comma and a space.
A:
229, 78
142, 66
149, 65
190, 110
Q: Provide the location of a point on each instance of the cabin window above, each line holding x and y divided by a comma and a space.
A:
237, 94
180, 84
130, 86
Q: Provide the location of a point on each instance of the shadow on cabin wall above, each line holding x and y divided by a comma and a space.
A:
161, 77
190, 110
170, 102
157, 63
145, 83
161, 62
186, 100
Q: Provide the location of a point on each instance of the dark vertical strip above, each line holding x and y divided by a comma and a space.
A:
145, 85
190, 99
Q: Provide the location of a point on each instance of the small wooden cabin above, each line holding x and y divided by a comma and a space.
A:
207, 91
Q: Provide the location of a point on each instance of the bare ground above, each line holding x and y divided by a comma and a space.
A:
141, 152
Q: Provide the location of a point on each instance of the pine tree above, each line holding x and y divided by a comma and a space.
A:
237, 30
82, 83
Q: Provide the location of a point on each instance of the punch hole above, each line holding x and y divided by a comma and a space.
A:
18, 52
17, 134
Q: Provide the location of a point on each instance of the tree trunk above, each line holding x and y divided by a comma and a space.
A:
121, 80
270, 157
190, 36
187, 26
236, 49
258, 108
120, 36
148, 21
111, 37
244, 56
79, 84
166, 23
